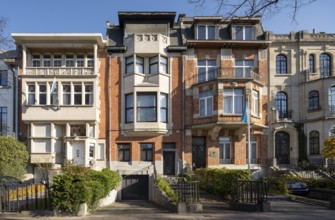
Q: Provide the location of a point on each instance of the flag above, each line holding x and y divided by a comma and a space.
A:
53, 86
245, 114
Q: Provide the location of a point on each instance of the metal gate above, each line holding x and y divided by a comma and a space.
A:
16, 197
135, 187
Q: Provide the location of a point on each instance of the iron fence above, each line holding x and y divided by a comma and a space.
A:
188, 192
24, 197
249, 192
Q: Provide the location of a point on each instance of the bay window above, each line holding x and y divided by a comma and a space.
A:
206, 70
164, 108
243, 68
146, 107
206, 103
233, 101
255, 103
129, 108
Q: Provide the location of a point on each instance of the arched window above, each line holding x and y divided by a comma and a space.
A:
281, 64
281, 104
313, 100
331, 99
311, 63
314, 143
325, 65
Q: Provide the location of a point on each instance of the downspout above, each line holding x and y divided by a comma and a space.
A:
15, 93
109, 97
183, 112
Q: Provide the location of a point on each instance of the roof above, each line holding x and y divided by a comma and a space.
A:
147, 15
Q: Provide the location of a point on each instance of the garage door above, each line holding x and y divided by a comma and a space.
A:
135, 187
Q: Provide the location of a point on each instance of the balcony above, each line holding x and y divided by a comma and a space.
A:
147, 43
65, 71
319, 73
228, 73
285, 114
143, 129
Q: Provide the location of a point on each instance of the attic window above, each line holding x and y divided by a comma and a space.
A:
244, 32
206, 32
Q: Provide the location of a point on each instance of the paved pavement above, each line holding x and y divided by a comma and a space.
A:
134, 210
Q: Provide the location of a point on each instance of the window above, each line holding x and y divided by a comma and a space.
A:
53, 94
206, 103
332, 132
3, 121
90, 61
139, 65
80, 61
69, 61
233, 101
3, 77
77, 130
253, 145
129, 108
31, 94
42, 94
206, 32
311, 63
123, 152
92, 150
225, 150
243, 68
331, 99
314, 147
164, 107
281, 104
146, 152
77, 94
57, 60
243, 32
130, 64
163, 64
146, 107
206, 70
47, 60
325, 65
66, 94
101, 151
281, 64
153, 65
255, 103
91, 131
88, 93
36, 61
313, 100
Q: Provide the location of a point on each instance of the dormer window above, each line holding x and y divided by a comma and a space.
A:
244, 32
206, 32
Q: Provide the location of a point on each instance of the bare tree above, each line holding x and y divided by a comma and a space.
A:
5, 41
249, 8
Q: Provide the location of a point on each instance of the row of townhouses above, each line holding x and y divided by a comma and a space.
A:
161, 94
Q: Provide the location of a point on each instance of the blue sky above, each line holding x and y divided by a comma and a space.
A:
90, 16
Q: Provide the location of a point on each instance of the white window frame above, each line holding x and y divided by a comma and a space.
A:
205, 98
36, 60
206, 32
244, 32
80, 60
89, 94
225, 142
31, 94
246, 70
47, 60
207, 66
77, 93
254, 149
233, 95
57, 60
90, 61
45, 93
255, 103
69, 60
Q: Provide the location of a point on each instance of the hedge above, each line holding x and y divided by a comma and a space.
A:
219, 181
165, 187
79, 185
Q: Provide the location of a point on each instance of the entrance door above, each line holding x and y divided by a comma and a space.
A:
169, 163
282, 147
198, 152
135, 187
78, 153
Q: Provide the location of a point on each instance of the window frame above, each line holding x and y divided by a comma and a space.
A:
313, 100
254, 150
281, 64
31, 94
282, 104
129, 108
3, 77
139, 108
36, 60
255, 103
57, 60
66, 93
246, 70
233, 100
123, 148
80, 59
3, 120
206, 97
207, 68
90, 61
47, 60
77, 95
42, 95
163, 108
331, 99
69, 60
325, 65
89, 95
311, 60
147, 150
207, 32
244, 29
314, 142
225, 142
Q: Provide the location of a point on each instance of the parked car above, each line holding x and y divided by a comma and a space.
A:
299, 188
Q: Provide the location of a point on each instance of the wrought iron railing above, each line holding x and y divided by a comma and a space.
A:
188, 192
249, 192
285, 114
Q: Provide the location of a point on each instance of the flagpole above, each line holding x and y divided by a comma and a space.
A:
249, 142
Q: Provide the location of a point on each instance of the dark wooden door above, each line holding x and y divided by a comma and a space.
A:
282, 147
198, 152
169, 166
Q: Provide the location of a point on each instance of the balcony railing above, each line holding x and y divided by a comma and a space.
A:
72, 71
234, 73
285, 114
322, 72
225, 161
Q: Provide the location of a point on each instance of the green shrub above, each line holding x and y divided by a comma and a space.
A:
165, 187
78, 185
219, 181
